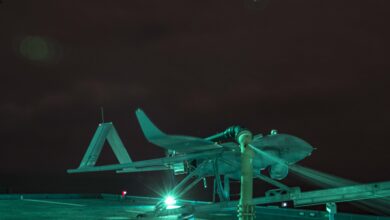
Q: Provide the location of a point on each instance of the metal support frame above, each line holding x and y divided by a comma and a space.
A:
105, 132
226, 186
245, 207
315, 197
147, 163
331, 208
272, 182
218, 188
188, 187
195, 173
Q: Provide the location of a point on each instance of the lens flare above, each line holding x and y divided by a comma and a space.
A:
170, 201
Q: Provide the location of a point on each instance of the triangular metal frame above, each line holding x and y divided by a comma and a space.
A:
105, 131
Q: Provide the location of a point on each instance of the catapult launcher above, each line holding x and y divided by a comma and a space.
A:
233, 154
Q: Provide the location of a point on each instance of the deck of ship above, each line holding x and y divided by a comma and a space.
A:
73, 206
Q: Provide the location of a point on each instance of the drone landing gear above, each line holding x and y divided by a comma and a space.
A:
223, 192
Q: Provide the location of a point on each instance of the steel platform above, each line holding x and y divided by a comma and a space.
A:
107, 206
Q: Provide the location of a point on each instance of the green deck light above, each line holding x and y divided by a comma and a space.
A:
170, 201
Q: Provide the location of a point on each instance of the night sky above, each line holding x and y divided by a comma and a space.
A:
315, 69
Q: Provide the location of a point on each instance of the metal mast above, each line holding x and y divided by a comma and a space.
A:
243, 138
245, 207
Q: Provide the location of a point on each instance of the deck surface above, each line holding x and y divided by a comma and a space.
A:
115, 209
68, 209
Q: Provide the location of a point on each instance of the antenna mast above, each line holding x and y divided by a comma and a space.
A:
102, 113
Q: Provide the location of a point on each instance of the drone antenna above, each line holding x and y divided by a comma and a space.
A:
102, 113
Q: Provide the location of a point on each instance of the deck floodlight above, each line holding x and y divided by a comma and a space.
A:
170, 201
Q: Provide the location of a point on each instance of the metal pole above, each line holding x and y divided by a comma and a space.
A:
331, 208
245, 207
226, 186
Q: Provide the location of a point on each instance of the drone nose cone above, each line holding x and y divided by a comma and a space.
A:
298, 149
290, 148
303, 145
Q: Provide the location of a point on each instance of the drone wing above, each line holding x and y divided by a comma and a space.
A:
178, 143
147, 165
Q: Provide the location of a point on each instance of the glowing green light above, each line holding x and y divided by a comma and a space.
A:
170, 201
